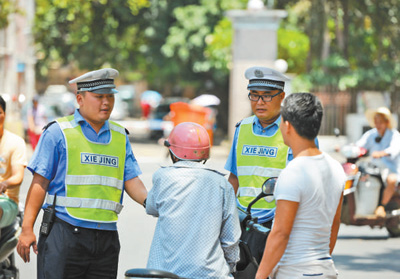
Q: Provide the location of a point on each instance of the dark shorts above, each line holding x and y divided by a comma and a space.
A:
74, 252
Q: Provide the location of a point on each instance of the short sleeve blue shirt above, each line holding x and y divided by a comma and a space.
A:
50, 157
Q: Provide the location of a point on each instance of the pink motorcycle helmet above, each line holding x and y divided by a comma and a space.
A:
189, 141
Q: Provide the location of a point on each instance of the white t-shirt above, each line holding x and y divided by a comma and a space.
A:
316, 183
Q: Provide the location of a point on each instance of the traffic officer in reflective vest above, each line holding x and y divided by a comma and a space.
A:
84, 163
258, 151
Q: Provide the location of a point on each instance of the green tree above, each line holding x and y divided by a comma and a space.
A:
89, 33
337, 44
160, 41
7, 7
353, 44
190, 40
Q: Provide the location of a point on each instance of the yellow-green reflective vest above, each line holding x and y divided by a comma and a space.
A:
258, 158
95, 173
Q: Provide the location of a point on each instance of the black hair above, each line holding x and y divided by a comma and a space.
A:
3, 104
304, 111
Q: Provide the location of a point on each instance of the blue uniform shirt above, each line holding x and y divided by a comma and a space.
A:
49, 161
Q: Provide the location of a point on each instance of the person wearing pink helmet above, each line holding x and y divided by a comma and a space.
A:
197, 233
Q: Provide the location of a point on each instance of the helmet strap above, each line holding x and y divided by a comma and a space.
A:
174, 159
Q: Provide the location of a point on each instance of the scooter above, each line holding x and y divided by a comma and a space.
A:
247, 266
363, 191
8, 241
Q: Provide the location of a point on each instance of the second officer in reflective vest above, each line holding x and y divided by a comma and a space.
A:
84, 163
258, 151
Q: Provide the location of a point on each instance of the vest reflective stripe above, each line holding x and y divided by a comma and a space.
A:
116, 128
259, 171
89, 196
258, 158
253, 192
67, 124
86, 203
94, 180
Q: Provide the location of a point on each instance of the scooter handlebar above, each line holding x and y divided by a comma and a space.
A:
250, 223
257, 227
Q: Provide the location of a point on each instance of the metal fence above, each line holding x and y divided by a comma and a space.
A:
336, 106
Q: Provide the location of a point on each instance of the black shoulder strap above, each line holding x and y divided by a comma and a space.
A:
49, 124
238, 124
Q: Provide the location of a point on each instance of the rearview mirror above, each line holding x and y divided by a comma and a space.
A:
267, 189
268, 186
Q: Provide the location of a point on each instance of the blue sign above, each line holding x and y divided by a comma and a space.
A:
99, 159
255, 150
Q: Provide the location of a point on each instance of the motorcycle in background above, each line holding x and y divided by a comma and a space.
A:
363, 191
247, 266
8, 241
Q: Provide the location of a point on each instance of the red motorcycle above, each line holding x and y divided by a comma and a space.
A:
363, 191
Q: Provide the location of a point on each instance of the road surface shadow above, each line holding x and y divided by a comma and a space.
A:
387, 261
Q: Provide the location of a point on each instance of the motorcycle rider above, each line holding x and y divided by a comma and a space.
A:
197, 233
12, 164
383, 143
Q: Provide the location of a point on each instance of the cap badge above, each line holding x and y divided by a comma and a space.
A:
105, 75
258, 73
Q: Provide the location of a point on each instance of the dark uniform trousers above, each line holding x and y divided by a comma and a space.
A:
256, 241
75, 252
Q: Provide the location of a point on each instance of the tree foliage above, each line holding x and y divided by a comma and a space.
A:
353, 44
88, 32
202, 28
339, 44
163, 42
7, 7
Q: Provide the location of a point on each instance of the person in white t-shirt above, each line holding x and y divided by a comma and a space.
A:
309, 194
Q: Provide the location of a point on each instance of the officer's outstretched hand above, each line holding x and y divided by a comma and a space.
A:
26, 240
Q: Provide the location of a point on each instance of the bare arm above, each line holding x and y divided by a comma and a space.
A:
34, 202
278, 238
234, 181
17, 174
136, 189
379, 154
335, 226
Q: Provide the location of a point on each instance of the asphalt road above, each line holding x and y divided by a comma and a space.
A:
361, 252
